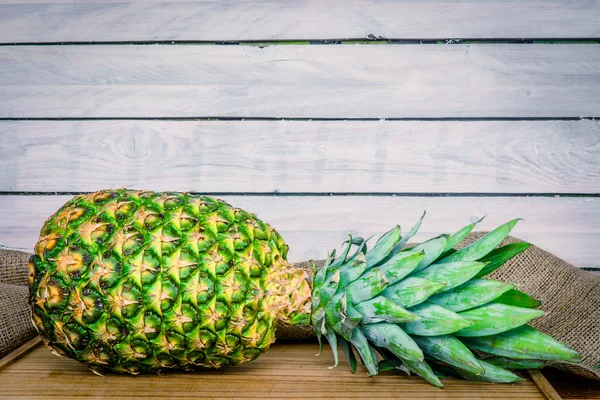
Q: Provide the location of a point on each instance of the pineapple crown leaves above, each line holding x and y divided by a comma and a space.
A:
423, 309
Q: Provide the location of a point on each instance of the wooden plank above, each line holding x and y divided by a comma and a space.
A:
408, 81
543, 385
572, 387
58, 21
567, 227
302, 156
19, 352
288, 370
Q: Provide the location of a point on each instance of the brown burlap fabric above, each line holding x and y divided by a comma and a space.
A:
14, 268
570, 297
15, 319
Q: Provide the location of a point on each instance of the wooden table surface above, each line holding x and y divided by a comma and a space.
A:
288, 370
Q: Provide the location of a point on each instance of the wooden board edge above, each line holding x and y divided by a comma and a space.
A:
542, 384
19, 352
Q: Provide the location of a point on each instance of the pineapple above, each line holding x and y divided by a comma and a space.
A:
137, 281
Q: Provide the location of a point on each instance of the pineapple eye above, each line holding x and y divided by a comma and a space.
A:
222, 226
169, 292
77, 335
115, 331
131, 298
125, 210
225, 262
204, 239
187, 221
141, 348
166, 360
251, 354
189, 317
186, 263
99, 353
150, 267
207, 205
222, 315
202, 289
153, 221
173, 203
152, 324
170, 239
55, 295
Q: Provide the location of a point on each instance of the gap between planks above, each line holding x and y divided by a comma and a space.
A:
327, 42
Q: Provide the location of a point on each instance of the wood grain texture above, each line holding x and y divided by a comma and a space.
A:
567, 227
302, 156
58, 21
288, 370
543, 385
18, 353
404, 81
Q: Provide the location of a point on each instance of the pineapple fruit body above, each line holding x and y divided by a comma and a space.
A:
137, 281
142, 281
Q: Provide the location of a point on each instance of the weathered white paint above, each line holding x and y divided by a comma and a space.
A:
567, 227
300, 81
302, 156
57, 21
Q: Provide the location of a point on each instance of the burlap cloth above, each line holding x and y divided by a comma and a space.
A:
570, 297
15, 319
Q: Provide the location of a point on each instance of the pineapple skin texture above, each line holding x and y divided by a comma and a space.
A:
138, 281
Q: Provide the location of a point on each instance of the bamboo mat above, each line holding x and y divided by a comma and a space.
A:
288, 370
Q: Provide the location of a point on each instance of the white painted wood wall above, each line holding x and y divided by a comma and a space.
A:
462, 108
